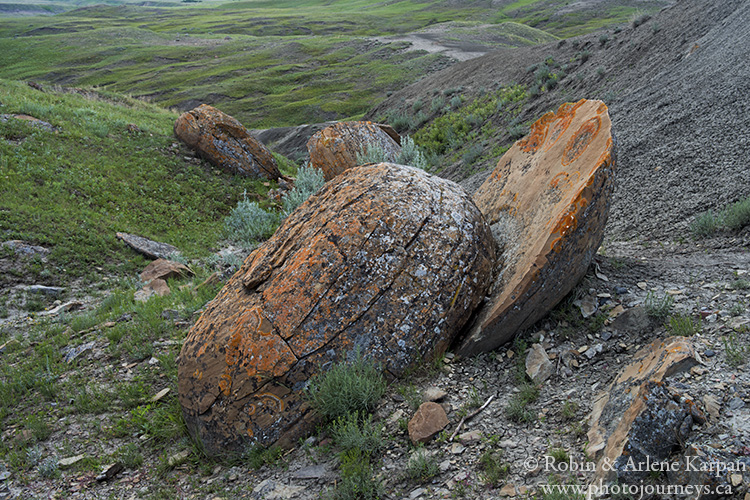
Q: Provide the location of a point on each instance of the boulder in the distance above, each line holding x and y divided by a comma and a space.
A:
226, 143
547, 203
335, 148
385, 260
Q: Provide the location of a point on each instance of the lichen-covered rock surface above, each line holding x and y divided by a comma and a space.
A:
385, 260
547, 202
334, 149
225, 142
636, 418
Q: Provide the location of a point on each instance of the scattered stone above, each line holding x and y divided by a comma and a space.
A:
361, 266
709, 353
156, 397
164, 269
67, 307
226, 143
633, 320
433, 394
712, 406
46, 290
457, 448
636, 417
509, 490
272, 490
154, 287
735, 479
110, 471
538, 365
470, 437
67, 462
178, 458
34, 122
588, 306
334, 149
24, 248
593, 351
548, 202
735, 404
417, 493
642, 285
621, 290
149, 248
427, 422
311, 472
71, 353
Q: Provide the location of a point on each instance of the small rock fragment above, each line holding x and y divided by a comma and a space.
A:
110, 471
67, 462
429, 419
433, 394
538, 365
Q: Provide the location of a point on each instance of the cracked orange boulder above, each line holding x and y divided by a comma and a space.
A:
225, 142
334, 149
386, 260
548, 201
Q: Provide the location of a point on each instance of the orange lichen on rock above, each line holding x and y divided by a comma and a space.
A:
551, 191
335, 148
223, 141
386, 260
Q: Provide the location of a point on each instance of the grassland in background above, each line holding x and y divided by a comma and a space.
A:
267, 63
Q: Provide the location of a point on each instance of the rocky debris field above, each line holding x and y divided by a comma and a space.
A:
503, 449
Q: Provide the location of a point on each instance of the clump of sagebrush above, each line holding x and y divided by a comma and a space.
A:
422, 466
309, 181
249, 223
410, 154
733, 217
357, 481
658, 307
356, 431
345, 388
683, 325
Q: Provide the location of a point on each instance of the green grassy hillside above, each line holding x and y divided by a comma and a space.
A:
111, 164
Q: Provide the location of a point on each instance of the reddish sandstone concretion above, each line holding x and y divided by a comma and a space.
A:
552, 190
334, 149
386, 260
223, 141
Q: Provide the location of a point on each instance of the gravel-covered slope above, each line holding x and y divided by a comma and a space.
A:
677, 86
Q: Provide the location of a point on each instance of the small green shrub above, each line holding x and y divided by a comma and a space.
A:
569, 410
437, 104
736, 352
356, 431
516, 131
357, 482
410, 154
309, 181
346, 388
249, 224
48, 468
737, 215
639, 18
683, 325
603, 39
658, 308
456, 101
258, 456
493, 467
705, 224
559, 455
422, 466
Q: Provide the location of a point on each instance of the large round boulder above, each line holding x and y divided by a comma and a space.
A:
386, 260
225, 142
548, 201
335, 148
